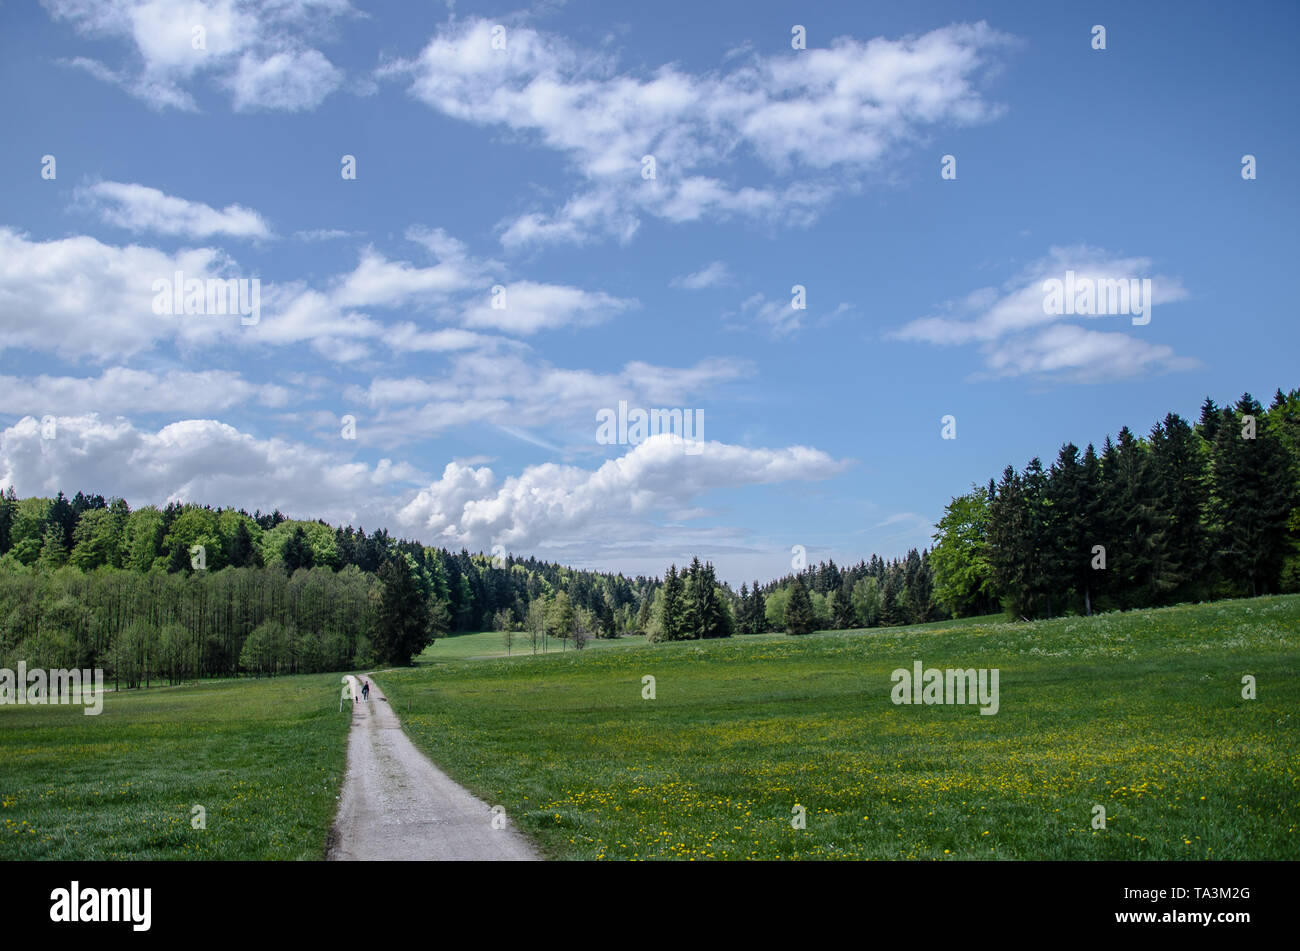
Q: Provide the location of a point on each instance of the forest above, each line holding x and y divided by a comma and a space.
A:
1189, 512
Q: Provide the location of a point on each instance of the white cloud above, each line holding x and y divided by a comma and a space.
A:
258, 49
80, 298
636, 507
711, 275
1079, 355
123, 390
512, 389
140, 208
837, 113
199, 460
530, 307
1018, 337
563, 505
290, 80
322, 234
779, 318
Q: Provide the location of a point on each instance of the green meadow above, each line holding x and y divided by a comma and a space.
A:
1140, 713
264, 758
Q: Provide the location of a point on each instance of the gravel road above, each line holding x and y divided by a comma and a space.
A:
397, 806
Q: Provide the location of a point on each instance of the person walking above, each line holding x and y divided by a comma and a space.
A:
365, 690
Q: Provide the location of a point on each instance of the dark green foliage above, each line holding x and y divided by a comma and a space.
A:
799, 610
404, 626
704, 615
1253, 494
297, 552
1191, 512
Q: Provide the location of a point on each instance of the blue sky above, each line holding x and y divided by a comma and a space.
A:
522, 168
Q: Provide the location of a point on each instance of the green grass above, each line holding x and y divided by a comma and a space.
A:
485, 644
489, 644
265, 758
1139, 712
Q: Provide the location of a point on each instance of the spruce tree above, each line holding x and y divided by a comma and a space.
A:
1253, 486
842, 608
1066, 558
297, 551
672, 606
1089, 527
403, 627
799, 610
1007, 537
1181, 495
757, 611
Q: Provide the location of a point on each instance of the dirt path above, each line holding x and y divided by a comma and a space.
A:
396, 805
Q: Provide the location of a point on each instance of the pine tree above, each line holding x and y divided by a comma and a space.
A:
757, 618
799, 610
178, 560
711, 611
1134, 556
241, 551
1253, 486
1007, 533
1211, 418
1065, 549
1036, 544
1088, 526
694, 601
842, 608
1181, 496
404, 626
672, 607
297, 552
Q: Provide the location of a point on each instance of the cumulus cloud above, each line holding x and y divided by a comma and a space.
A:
643, 503
560, 505
289, 80
81, 298
1017, 335
140, 208
196, 460
831, 115
259, 50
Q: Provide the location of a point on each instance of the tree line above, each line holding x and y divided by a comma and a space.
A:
1188, 512
188, 591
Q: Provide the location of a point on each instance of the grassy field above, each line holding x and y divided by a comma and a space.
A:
263, 757
1141, 713
485, 644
